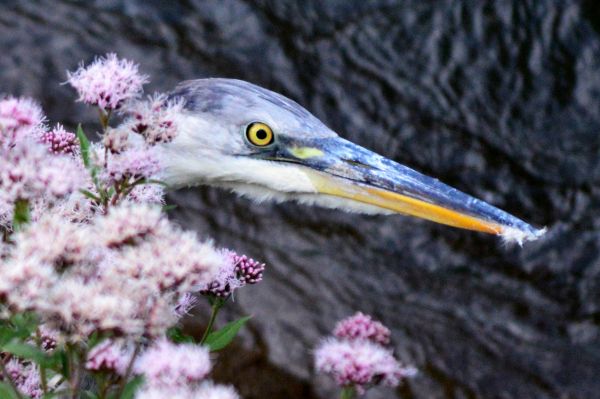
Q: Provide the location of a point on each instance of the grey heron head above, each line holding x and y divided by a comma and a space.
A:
260, 144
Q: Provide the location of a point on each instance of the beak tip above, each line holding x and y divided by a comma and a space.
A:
520, 236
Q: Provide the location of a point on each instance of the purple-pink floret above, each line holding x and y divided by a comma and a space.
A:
19, 117
359, 364
248, 270
59, 141
362, 326
107, 356
108, 82
241, 270
169, 364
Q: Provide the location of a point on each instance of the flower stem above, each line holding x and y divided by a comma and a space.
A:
74, 370
136, 351
216, 306
43, 378
21, 214
348, 393
10, 380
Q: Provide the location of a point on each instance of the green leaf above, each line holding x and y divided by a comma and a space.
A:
131, 387
84, 146
21, 214
90, 195
7, 391
167, 208
25, 323
176, 335
30, 352
218, 340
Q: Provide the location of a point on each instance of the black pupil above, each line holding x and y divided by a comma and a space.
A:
261, 134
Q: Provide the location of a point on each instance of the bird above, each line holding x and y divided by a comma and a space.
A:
262, 145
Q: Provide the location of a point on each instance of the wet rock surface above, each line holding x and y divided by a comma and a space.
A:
500, 99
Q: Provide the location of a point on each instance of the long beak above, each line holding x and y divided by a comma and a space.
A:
340, 168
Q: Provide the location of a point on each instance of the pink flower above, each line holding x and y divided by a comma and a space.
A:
49, 338
206, 390
186, 303
25, 377
19, 117
116, 140
359, 363
237, 272
155, 119
107, 356
28, 171
168, 364
361, 326
108, 82
59, 140
127, 225
133, 164
248, 270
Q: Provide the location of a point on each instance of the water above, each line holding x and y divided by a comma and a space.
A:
500, 99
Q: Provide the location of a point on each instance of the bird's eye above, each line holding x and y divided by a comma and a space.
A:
259, 134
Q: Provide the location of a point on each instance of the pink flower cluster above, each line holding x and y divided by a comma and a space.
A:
206, 390
178, 371
28, 172
19, 118
108, 356
155, 119
108, 82
26, 377
167, 364
357, 357
239, 271
122, 273
59, 141
131, 165
362, 326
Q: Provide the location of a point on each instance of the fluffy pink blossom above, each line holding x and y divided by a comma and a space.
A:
359, 363
174, 261
116, 140
133, 164
361, 326
49, 337
152, 194
59, 141
206, 390
26, 377
116, 274
155, 119
108, 82
28, 171
237, 272
126, 225
168, 364
185, 304
53, 240
108, 356
19, 117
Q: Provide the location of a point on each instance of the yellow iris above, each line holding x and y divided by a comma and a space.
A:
259, 134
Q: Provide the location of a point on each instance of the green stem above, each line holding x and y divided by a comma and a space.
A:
104, 118
136, 351
216, 306
74, 370
21, 214
348, 393
43, 378
10, 380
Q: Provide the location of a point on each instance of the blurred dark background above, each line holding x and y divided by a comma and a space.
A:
498, 98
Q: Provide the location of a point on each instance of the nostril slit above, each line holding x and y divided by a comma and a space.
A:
357, 163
